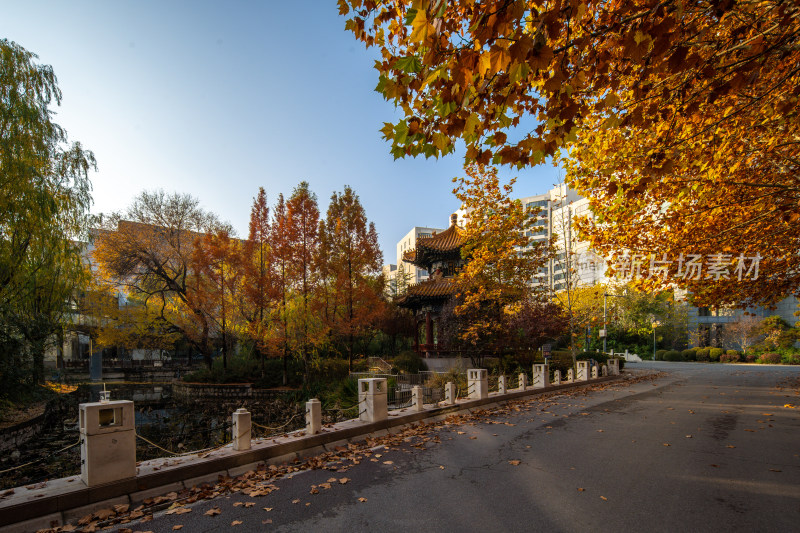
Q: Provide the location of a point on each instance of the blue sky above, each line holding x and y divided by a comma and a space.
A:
216, 99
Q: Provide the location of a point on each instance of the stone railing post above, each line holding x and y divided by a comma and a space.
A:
108, 441
583, 370
523, 381
242, 429
556, 377
570, 375
416, 398
541, 376
501, 384
594, 372
477, 383
613, 366
604, 370
449, 393
313, 416
372, 399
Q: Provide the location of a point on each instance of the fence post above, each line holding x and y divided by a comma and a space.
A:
594, 371
541, 376
583, 370
613, 366
604, 370
557, 377
570, 375
108, 441
416, 398
478, 383
242, 428
501, 384
313, 416
523, 381
449, 393
372, 400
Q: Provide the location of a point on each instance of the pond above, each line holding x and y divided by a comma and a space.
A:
170, 426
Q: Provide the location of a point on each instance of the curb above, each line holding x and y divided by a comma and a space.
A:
59, 501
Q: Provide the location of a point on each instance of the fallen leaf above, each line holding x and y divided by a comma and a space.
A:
177, 527
599, 430
441, 467
774, 470
119, 509
296, 501
688, 436
214, 511
730, 446
267, 521
267, 508
473, 438
514, 462
581, 490
388, 462
362, 500
667, 444
332, 480
236, 522
604, 498
238, 504
715, 466
179, 510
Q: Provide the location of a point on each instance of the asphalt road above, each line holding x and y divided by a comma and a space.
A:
702, 448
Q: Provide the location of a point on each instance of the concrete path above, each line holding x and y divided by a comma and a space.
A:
702, 448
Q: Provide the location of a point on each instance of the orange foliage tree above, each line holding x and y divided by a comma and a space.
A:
352, 260
676, 118
147, 252
501, 267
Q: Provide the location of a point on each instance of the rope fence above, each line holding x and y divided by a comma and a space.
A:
39, 460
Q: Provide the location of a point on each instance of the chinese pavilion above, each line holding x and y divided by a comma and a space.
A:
440, 255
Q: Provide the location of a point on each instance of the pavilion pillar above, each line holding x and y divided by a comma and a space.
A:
428, 329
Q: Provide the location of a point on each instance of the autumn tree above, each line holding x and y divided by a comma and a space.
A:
216, 265
44, 210
302, 226
353, 261
258, 292
742, 333
677, 119
281, 260
148, 251
501, 260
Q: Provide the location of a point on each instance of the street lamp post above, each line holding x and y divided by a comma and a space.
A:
656, 323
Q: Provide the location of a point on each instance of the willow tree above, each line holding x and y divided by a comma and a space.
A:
44, 203
676, 118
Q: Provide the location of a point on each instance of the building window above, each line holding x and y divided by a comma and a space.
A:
703, 311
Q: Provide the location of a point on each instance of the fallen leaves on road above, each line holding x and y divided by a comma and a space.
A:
296, 501
604, 498
362, 500
267, 508
344, 480
176, 527
581, 489
236, 522
214, 511
514, 462
730, 446
667, 444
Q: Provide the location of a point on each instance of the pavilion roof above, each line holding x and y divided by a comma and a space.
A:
426, 291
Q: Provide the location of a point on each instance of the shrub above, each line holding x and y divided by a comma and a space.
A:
690, 354
702, 354
673, 355
560, 360
660, 354
715, 353
791, 359
770, 358
597, 356
730, 357
750, 358
410, 362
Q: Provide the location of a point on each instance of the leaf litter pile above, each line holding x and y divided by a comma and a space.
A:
260, 482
